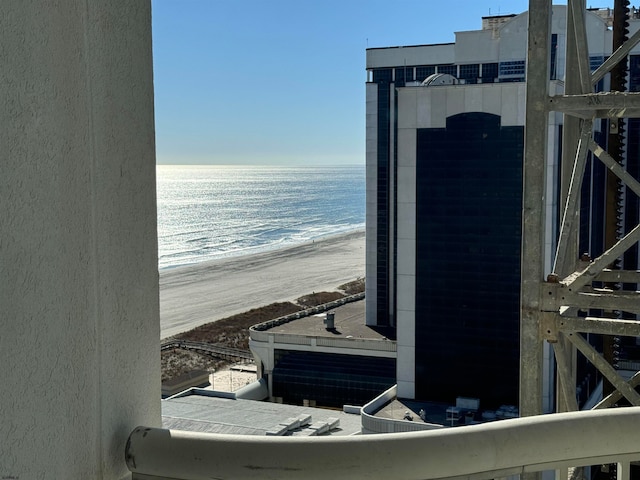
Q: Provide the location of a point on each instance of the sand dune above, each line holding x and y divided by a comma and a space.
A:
205, 292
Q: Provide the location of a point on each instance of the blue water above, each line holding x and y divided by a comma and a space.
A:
208, 212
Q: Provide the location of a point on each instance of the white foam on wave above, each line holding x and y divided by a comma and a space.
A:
265, 209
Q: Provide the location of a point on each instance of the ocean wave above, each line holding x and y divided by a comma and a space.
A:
268, 208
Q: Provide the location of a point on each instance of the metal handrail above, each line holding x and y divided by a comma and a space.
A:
210, 348
490, 450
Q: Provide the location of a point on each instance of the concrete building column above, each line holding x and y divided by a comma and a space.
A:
79, 313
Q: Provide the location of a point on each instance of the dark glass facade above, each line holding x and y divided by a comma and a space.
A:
489, 72
423, 72
403, 75
553, 67
448, 69
592, 203
331, 380
387, 80
470, 73
632, 203
512, 71
468, 223
383, 78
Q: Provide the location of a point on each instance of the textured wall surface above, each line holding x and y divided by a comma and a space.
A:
79, 319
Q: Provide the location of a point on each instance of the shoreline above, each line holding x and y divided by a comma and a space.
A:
257, 250
195, 294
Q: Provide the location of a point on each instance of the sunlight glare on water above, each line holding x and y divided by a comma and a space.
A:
210, 211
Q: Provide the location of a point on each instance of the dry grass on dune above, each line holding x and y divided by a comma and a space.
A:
233, 331
174, 363
313, 299
352, 288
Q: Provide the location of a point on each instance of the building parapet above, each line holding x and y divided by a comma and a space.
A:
373, 424
346, 343
260, 333
305, 313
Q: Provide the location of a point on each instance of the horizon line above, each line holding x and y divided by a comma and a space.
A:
259, 165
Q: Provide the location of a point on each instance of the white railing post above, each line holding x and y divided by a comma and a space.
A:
623, 470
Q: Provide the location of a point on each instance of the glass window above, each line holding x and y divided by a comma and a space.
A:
404, 73
470, 73
634, 73
595, 61
512, 71
448, 69
382, 75
489, 72
423, 72
554, 56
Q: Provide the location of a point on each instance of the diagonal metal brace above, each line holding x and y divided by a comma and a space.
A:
613, 397
578, 280
570, 214
615, 58
614, 166
603, 366
582, 51
565, 375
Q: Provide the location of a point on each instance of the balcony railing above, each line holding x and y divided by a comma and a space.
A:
490, 450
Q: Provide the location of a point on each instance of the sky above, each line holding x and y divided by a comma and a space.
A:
282, 82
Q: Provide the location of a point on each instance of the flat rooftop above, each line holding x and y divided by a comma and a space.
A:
396, 409
349, 322
436, 412
211, 414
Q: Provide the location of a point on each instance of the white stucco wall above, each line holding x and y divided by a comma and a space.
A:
78, 250
476, 46
411, 55
406, 238
429, 107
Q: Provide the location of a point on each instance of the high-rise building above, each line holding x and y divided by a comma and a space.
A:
445, 147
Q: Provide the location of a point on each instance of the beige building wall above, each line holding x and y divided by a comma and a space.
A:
79, 319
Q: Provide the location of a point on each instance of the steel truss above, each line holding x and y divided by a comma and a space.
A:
550, 304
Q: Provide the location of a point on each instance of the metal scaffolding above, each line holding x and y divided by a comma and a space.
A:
554, 304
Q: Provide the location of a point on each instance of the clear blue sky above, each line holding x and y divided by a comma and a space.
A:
282, 81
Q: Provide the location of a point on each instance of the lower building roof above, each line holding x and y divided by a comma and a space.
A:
211, 414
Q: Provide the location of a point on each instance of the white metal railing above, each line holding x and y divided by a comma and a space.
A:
358, 343
490, 450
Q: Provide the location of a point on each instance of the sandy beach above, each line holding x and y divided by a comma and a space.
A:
197, 294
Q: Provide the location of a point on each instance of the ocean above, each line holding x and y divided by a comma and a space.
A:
211, 211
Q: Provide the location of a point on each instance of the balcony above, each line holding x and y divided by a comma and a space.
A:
497, 449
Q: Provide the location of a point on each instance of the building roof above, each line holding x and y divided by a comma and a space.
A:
411, 46
349, 322
210, 414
